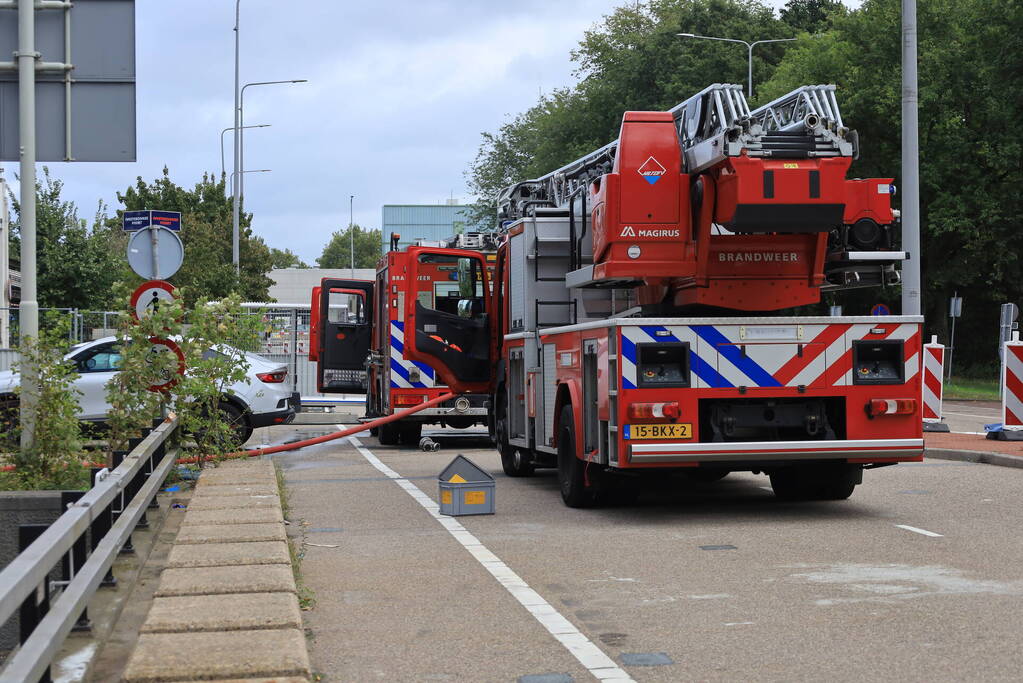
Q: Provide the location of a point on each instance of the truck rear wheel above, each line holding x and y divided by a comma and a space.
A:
816, 482
387, 434
571, 470
410, 432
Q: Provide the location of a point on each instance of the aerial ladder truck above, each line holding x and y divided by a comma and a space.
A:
638, 321
357, 340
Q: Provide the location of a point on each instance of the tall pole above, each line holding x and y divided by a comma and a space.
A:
5, 267
242, 127
29, 307
911, 296
351, 231
223, 169
236, 209
749, 73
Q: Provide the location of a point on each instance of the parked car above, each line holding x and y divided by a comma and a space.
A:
262, 400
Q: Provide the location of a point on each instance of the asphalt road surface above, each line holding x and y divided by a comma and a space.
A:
918, 577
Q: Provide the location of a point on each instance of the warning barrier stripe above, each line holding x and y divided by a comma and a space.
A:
934, 356
1012, 398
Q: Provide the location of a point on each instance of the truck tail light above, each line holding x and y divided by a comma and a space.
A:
409, 399
275, 377
641, 411
891, 406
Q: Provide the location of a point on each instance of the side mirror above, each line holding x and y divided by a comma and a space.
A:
465, 308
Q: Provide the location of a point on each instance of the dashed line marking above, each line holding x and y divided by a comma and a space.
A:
592, 658
915, 530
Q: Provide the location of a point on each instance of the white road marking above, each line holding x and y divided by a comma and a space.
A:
582, 648
767, 488
972, 433
915, 530
989, 416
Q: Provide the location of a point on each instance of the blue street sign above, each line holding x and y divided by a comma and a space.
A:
880, 309
137, 220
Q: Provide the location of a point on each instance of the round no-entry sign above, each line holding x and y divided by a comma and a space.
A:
159, 345
150, 296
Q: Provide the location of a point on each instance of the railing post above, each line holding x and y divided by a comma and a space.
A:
99, 528
116, 458
32, 610
135, 483
74, 559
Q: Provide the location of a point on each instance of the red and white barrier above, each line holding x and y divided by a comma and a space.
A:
933, 380
1012, 383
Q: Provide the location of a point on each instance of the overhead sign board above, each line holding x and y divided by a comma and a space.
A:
87, 113
136, 220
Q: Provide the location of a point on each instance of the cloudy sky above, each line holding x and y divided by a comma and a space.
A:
397, 97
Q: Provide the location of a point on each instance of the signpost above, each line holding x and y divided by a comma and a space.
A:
955, 310
1006, 324
149, 295
160, 345
83, 75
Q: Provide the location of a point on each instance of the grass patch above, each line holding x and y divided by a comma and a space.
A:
306, 597
976, 389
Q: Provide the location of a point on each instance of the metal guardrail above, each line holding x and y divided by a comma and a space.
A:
125, 494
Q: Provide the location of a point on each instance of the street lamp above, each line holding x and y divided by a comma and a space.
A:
242, 126
255, 170
223, 170
749, 46
351, 232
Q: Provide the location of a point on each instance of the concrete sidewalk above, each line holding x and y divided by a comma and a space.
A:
226, 607
973, 448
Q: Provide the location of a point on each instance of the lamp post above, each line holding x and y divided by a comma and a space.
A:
351, 231
749, 47
223, 170
255, 170
235, 213
242, 126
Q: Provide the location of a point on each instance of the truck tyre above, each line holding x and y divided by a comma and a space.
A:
571, 472
410, 432
515, 461
816, 482
706, 476
387, 434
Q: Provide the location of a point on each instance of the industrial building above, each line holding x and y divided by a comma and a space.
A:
423, 221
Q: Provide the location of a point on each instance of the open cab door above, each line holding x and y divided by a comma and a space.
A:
451, 322
343, 323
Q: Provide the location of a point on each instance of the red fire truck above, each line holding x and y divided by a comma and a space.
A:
358, 340
637, 322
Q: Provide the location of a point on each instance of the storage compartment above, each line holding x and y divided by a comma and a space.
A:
663, 364
878, 362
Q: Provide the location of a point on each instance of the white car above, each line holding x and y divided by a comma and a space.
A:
262, 400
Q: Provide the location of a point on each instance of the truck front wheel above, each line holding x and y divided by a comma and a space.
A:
571, 470
515, 461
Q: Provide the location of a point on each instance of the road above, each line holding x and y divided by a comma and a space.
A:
917, 577
970, 416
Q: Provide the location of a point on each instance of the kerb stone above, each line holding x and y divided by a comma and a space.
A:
231, 533
162, 657
239, 612
227, 554
249, 578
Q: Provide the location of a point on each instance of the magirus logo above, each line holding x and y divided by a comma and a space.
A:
629, 231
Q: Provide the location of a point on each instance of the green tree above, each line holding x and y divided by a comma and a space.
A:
337, 253
77, 265
633, 60
970, 171
812, 16
206, 231
286, 258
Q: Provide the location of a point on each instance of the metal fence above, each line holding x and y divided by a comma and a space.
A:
284, 338
85, 541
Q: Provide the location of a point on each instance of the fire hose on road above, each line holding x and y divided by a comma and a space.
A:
328, 437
